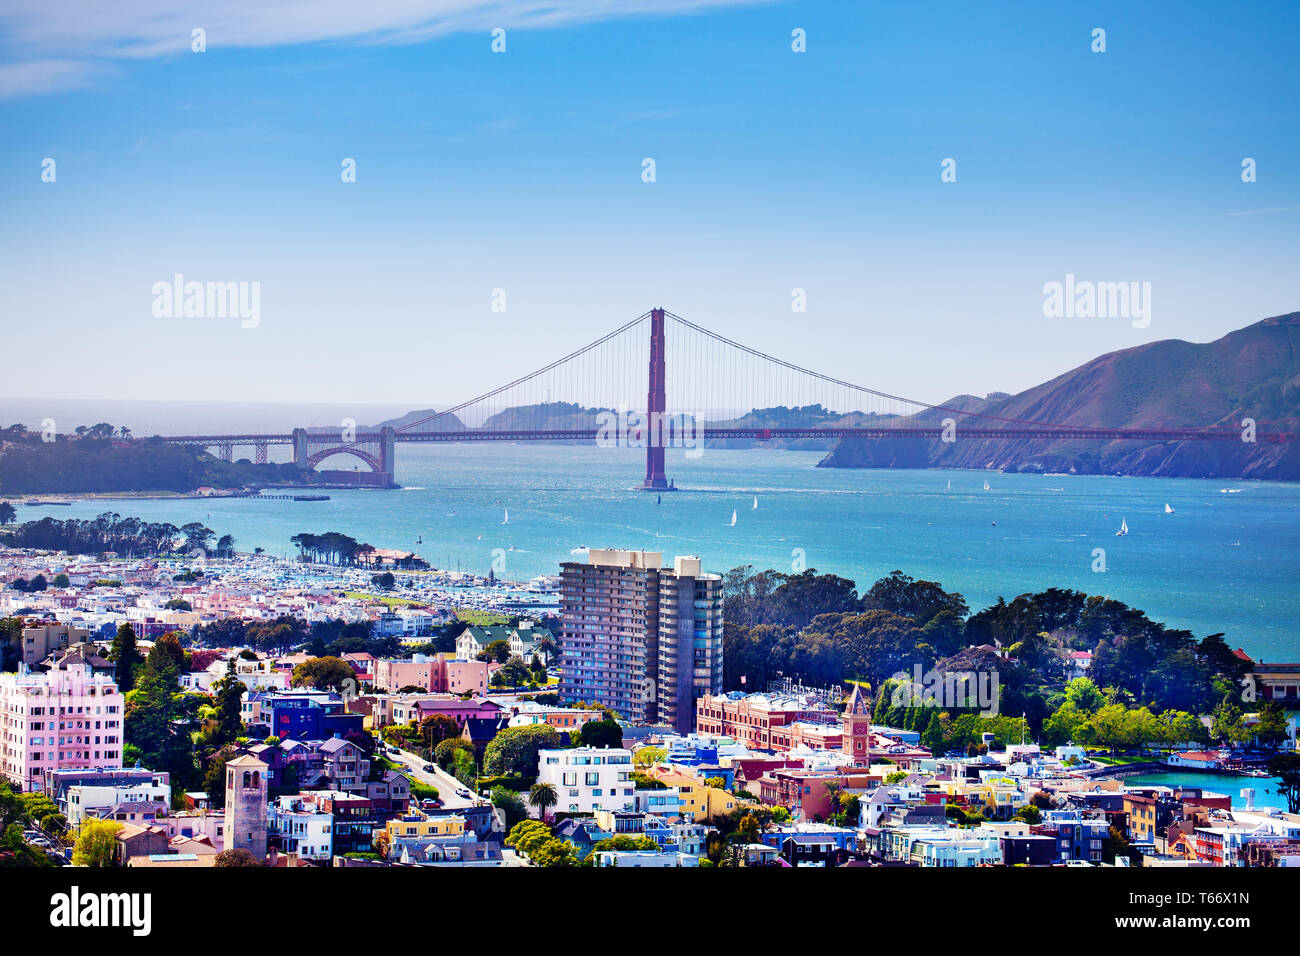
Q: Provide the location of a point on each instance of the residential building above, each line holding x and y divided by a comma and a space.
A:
645, 859
345, 764
130, 796
587, 779
523, 641
41, 641
641, 639
69, 717
297, 826
441, 673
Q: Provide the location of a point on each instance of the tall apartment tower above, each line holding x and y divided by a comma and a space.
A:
639, 638
246, 821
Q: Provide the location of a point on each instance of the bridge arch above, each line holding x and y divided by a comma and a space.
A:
315, 458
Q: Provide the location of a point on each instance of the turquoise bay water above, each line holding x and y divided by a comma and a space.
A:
1266, 788
1223, 562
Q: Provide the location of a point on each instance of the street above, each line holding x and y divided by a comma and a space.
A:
440, 780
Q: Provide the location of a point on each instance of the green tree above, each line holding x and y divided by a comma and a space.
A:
125, 657
1228, 726
1286, 766
1083, 694
601, 733
96, 843
514, 672
511, 806
324, 673
444, 755
528, 835
514, 750
229, 693
554, 853
236, 857
436, 728
542, 796
1272, 727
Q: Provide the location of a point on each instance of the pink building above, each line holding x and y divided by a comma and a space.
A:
64, 719
441, 674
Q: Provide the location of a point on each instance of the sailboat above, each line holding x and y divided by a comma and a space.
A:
1168, 510
506, 519
755, 502
949, 484
986, 486
1123, 528
733, 518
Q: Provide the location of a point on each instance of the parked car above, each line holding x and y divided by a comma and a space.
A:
462, 792
428, 768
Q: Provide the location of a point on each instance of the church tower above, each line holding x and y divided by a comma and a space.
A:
246, 822
855, 737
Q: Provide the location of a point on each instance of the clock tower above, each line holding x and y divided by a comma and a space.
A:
855, 735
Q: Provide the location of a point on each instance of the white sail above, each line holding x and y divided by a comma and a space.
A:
950, 484
1123, 527
1168, 510
506, 519
986, 486
756, 502
733, 518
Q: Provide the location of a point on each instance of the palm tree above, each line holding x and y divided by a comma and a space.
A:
543, 797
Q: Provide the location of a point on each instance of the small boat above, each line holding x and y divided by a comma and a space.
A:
1168, 510
506, 519
756, 502
1123, 528
733, 519
949, 488
986, 486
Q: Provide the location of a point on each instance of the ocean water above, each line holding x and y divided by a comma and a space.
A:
1266, 788
1227, 560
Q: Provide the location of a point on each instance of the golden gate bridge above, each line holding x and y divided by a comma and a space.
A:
713, 390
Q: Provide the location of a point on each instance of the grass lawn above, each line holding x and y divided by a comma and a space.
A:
390, 601
481, 618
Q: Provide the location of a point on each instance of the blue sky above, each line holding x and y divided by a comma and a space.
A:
522, 171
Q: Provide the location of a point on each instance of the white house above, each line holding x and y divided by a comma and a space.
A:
302, 828
587, 779
645, 859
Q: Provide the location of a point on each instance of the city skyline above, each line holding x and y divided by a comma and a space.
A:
522, 172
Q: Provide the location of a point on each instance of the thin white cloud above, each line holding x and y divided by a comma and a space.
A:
74, 33
31, 77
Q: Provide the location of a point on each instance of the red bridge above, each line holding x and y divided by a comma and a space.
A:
714, 394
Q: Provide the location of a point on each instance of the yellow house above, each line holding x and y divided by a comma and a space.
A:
1000, 799
699, 802
414, 824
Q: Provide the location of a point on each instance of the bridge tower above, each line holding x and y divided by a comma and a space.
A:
656, 405
388, 451
300, 448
